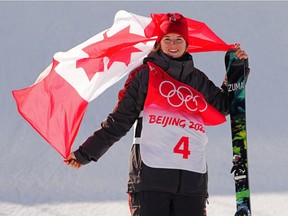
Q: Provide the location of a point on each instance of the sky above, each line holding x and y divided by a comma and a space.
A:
32, 32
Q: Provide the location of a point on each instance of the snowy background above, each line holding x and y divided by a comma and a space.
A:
34, 180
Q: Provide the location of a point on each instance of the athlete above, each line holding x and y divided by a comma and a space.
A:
169, 101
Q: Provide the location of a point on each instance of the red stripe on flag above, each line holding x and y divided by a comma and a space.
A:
54, 108
201, 37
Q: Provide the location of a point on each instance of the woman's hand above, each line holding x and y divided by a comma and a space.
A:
72, 161
239, 52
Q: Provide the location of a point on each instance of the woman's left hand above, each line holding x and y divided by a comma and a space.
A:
241, 54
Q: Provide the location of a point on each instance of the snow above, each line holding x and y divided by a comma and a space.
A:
219, 205
34, 180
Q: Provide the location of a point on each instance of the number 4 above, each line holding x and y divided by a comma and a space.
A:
182, 147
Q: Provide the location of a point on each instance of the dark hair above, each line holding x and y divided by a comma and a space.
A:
156, 47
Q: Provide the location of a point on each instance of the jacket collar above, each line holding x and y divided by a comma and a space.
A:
177, 68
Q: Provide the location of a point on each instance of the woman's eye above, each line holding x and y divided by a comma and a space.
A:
177, 40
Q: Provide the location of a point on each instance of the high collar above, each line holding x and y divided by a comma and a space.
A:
178, 68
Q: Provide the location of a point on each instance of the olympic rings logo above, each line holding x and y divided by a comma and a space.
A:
176, 97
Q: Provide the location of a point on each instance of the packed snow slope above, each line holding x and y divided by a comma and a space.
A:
34, 174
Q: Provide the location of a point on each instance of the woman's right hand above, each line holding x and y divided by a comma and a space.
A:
72, 161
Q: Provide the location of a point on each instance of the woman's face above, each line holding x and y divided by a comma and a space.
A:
173, 45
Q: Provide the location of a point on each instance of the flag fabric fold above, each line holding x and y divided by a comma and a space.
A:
56, 103
201, 37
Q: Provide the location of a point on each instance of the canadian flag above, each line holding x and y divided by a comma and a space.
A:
55, 104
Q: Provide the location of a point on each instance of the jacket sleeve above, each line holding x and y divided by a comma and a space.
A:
218, 97
117, 123
215, 96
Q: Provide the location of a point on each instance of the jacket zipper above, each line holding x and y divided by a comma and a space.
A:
182, 69
179, 182
180, 171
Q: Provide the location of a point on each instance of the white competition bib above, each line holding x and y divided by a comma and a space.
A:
173, 134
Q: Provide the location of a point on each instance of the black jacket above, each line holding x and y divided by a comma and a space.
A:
126, 113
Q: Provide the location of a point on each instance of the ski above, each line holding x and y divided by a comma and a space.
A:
235, 70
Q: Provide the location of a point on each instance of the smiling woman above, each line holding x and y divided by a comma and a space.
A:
173, 45
163, 98
173, 36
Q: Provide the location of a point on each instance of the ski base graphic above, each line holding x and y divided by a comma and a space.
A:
236, 76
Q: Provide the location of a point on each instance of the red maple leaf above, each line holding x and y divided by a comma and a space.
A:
118, 47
